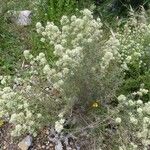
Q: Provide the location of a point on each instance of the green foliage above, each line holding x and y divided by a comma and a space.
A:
14, 39
53, 10
123, 6
111, 10
139, 74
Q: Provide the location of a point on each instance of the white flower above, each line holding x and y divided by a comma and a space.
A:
28, 114
64, 20
137, 54
7, 89
60, 83
58, 126
73, 18
46, 69
61, 115
121, 98
58, 50
3, 81
118, 120
89, 40
87, 13
124, 66
139, 102
131, 103
144, 91
26, 105
28, 88
44, 33
43, 61
52, 71
59, 47
41, 55
65, 71
39, 115
128, 59
134, 146
13, 118
26, 54
146, 120
108, 56
140, 110
139, 93
42, 39
62, 121
133, 120
38, 25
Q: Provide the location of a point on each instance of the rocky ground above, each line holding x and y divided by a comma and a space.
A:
47, 139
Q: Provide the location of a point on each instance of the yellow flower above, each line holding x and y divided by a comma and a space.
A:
1, 123
95, 104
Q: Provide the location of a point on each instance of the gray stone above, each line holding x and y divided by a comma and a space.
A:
23, 18
59, 146
25, 143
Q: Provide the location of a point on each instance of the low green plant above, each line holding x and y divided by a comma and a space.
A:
13, 38
53, 10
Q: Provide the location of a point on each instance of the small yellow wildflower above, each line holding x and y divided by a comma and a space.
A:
1, 123
95, 104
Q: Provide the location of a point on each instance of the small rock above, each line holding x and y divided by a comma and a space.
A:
43, 146
24, 18
47, 132
59, 146
51, 145
25, 143
39, 146
69, 148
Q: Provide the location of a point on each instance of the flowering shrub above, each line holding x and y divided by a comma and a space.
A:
123, 127
86, 68
28, 100
54, 9
133, 121
134, 49
78, 90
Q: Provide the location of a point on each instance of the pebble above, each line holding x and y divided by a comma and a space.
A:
25, 143
43, 146
51, 145
47, 132
24, 18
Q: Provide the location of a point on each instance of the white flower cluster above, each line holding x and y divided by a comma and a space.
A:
137, 115
111, 51
17, 108
132, 44
27, 100
79, 45
4, 79
59, 125
27, 54
141, 92
121, 98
